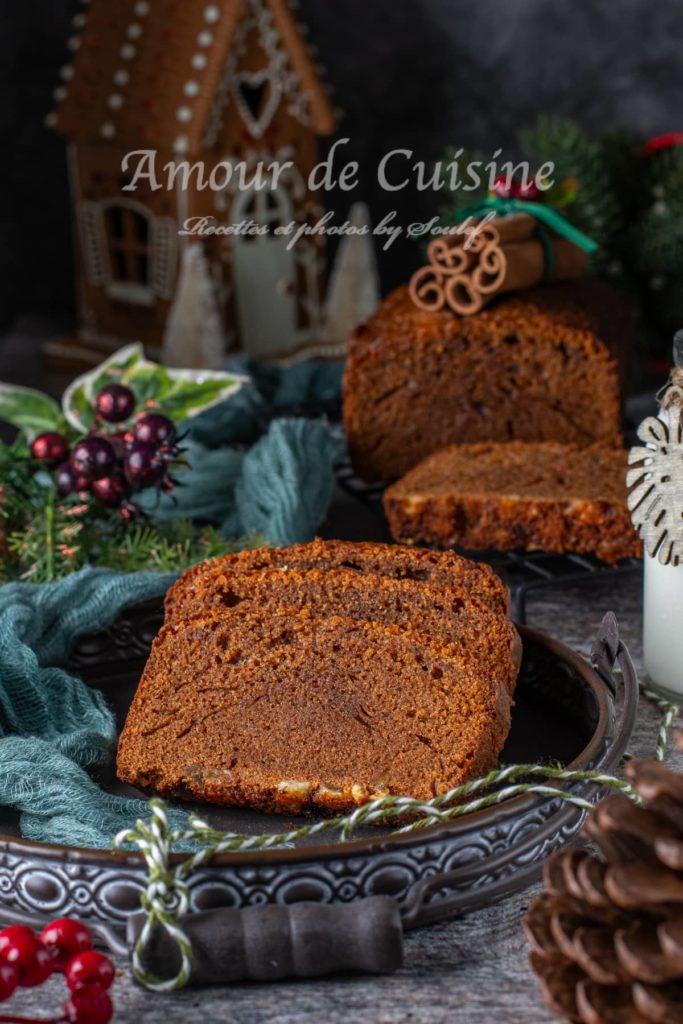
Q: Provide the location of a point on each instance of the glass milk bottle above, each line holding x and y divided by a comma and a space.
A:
655, 481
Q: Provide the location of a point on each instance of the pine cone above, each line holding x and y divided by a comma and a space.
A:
607, 935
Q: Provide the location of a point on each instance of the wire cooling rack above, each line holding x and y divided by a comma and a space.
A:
524, 572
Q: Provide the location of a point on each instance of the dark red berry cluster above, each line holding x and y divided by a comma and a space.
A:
64, 946
112, 465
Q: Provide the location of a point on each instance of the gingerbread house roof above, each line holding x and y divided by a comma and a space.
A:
150, 73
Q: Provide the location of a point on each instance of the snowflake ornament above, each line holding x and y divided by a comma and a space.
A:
655, 477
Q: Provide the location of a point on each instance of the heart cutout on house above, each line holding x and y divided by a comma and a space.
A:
258, 96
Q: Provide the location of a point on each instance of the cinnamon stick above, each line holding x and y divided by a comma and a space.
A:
465, 273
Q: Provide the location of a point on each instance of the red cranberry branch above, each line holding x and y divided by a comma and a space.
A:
64, 946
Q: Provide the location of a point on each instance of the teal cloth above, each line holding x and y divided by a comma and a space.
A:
52, 726
279, 489
270, 389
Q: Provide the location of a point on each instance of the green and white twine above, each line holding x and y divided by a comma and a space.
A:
166, 898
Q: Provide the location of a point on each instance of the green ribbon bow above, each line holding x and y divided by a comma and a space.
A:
546, 215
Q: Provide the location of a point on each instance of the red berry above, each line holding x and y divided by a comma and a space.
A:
15, 931
115, 403
37, 969
67, 481
65, 938
144, 465
109, 490
89, 1005
503, 187
89, 968
92, 458
154, 429
528, 192
129, 511
9, 980
50, 447
20, 949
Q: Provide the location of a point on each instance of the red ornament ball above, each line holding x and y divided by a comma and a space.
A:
109, 490
115, 403
9, 981
89, 1005
50, 447
144, 465
90, 968
65, 938
153, 428
93, 457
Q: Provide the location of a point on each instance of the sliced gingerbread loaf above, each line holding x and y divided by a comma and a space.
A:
552, 497
202, 585
445, 615
527, 369
285, 710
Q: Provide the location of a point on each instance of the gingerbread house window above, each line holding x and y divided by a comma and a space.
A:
128, 233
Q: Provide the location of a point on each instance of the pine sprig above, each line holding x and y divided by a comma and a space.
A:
44, 537
595, 209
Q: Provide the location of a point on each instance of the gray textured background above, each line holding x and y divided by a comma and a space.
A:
419, 74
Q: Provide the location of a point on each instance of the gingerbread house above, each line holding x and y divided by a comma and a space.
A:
209, 86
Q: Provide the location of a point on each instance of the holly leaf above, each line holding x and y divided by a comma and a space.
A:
32, 411
179, 394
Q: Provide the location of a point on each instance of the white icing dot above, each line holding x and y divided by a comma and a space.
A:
74, 43
205, 38
50, 120
191, 88
181, 144
198, 62
67, 72
184, 114
79, 20
141, 8
115, 101
134, 31
107, 130
59, 93
121, 76
127, 51
211, 14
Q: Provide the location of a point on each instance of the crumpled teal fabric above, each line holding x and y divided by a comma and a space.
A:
279, 488
271, 390
52, 725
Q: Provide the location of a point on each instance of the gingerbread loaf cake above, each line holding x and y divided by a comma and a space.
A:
552, 497
461, 622
527, 368
202, 586
286, 710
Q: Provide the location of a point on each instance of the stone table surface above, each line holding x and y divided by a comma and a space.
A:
469, 971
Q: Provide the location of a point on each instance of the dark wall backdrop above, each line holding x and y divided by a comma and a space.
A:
416, 74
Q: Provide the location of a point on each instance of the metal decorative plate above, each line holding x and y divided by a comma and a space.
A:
565, 711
